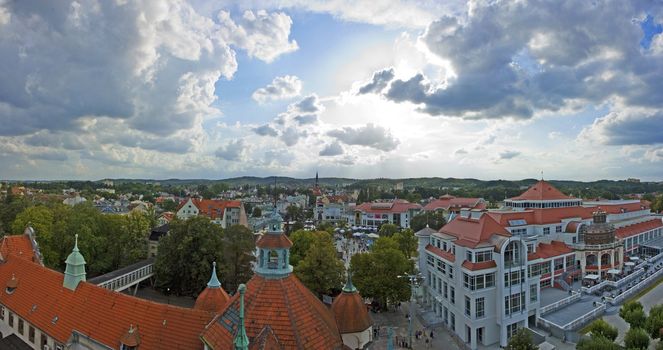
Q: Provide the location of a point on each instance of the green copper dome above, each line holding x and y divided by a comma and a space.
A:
74, 273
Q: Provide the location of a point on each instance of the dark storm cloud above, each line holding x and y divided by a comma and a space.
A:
379, 81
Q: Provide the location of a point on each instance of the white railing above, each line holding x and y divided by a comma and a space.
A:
122, 282
560, 303
583, 246
626, 279
592, 289
642, 284
584, 318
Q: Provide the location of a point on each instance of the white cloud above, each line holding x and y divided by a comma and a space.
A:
509, 154
234, 150
263, 35
332, 149
280, 88
370, 136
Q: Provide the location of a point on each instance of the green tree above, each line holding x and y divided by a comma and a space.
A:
257, 212
237, 256
302, 242
407, 242
387, 230
321, 270
636, 339
597, 343
376, 273
521, 340
633, 313
603, 329
168, 205
10, 209
654, 322
184, 262
434, 220
41, 219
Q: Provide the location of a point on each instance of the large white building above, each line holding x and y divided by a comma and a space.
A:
484, 270
398, 212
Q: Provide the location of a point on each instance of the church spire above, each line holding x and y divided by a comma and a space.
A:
316, 179
74, 273
241, 340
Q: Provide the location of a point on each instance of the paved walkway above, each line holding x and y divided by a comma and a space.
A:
397, 319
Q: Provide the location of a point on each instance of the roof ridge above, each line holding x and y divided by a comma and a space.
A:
290, 314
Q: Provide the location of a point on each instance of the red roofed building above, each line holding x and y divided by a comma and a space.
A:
398, 212
275, 307
223, 212
352, 317
450, 204
484, 269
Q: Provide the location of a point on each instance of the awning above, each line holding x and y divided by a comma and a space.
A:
635, 258
357, 234
628, 263
614, 271
591, 277
373, 235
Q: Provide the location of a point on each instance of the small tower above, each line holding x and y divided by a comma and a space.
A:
274, 250
354, 322
241, 339
74, 273
213, 298
316, 180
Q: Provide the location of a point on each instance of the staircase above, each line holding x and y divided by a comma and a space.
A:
562, 281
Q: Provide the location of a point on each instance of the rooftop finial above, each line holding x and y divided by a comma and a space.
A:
349, 287
76, 242
214, 280
241, 340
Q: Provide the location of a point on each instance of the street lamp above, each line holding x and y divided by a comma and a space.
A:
414, 281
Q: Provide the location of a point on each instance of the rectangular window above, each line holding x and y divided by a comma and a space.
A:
453, 322
483, 256
533, 293
559, 264
514, 303
11, 320
444, 246
513, 278
31, 334
2, 313
468, 306
468, 256
480, 335
430, 260
545, 283
446, 295
546, 230
530, 248
518, 231
545, 267
479, 307
452, 293
558, 228
490, 280
511, 330
569, 261
20, 326
43, 340
451, 271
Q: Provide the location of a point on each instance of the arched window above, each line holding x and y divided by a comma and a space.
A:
273, 259
512, 255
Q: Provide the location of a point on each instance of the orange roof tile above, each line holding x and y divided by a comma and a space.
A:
350, 312
630, 230
395, 206
479, 266
212, 300
448, 256
471, 232
540, 191
271, 240
101, 314
18, 245
555, 248
297, 318
212, 208
447, 202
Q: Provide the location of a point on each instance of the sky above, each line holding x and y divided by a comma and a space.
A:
362, 89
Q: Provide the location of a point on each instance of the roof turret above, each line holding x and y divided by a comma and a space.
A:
213, 298
74, 273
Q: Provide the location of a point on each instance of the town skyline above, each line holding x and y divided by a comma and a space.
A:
205, 89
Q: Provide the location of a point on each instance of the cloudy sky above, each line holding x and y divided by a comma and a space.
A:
382, 88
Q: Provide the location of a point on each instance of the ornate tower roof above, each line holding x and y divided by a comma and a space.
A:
274, 250
74, 273
350, 311
241, 340
213, 298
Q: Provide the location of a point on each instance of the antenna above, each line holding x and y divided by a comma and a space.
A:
541, 175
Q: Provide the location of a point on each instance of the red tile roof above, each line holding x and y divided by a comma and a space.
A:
479, 266
101, 314
351, 313
540, 191
542, 216
471, 232
297, 318
545, 250
635, 229
448, 256
19, 245
212, 208
623, 207
395, 206
271, 240
446, 202
212, 300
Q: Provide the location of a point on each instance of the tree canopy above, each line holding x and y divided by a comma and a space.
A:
321, 270
636, 339
238, 248
376, 273
387, 230
633, 313
603, 329
434, 220
521, 340
184, 263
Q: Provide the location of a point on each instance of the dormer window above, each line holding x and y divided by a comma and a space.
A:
12, 284
131, 339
